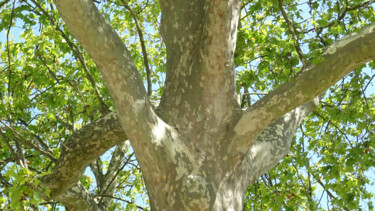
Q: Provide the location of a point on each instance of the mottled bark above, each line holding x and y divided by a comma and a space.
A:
78, 198
80, 149
199, 151
339, 59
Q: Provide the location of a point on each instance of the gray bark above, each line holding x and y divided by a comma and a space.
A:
79, 150
198, 150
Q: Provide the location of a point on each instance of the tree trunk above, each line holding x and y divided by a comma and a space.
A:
199, 150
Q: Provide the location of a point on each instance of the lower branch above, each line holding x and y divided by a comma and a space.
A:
78, 198
80, 149
274, 142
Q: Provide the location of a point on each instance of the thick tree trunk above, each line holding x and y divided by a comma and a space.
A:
199, 150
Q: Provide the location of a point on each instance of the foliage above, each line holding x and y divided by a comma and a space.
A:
50, 88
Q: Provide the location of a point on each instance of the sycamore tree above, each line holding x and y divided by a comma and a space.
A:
204, 97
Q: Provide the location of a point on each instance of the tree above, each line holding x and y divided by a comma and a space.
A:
199, 147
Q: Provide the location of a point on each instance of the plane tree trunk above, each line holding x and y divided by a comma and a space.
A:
198, 150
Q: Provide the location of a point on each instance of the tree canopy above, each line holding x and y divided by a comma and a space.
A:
57, 116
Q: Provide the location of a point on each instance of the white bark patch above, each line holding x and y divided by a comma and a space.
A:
261, 153
279, 129
158, 130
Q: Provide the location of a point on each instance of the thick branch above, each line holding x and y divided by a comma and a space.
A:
270, 146
339, 59
114, 61
274, 141
153, 140
81, 149
200, 38
78, 198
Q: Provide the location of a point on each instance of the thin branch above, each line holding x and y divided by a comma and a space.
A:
292, 32
37, 53
8, 52
3, 3
342, 16
115, 176
255, 93
28, 143
324, 187
7, 141
369, 82
124, 200
329, 122
77, 54
143, 46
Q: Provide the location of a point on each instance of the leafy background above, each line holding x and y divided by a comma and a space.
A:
49, 88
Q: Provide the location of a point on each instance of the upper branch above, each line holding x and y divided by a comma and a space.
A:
293, 34
143, 47
114, 61
200, 38
340, 58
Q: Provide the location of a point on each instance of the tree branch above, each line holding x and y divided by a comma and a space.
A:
77, 54
117, 198
143, 46
114, 61
146, 131
109, 180
292, 32
3, 3
28, 143
274, 141
199, 35
339, 59
80, 149
78, 198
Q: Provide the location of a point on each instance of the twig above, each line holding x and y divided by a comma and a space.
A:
8, 52
29, 143
7, 141
255, 93
115, 176
143, 46
37, 53
342, 16
124, 200
292, 32
77, 54
3, 3
328, 192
